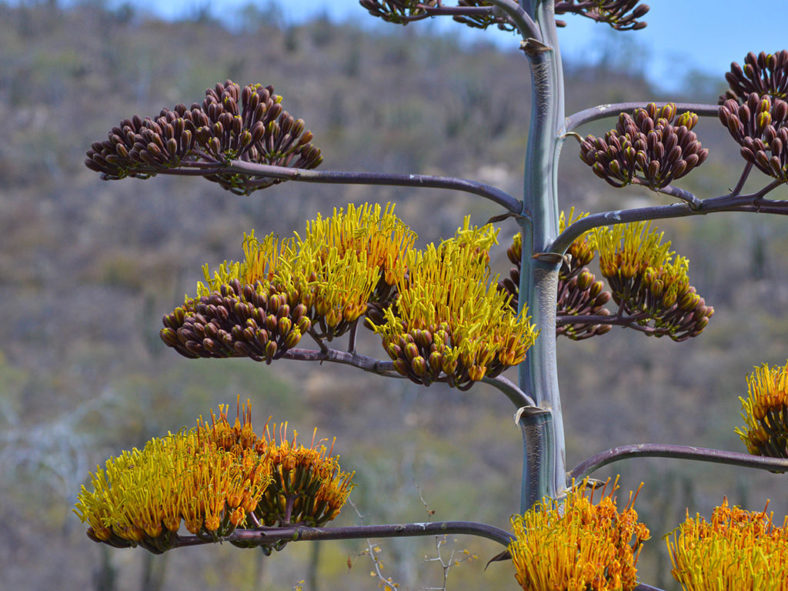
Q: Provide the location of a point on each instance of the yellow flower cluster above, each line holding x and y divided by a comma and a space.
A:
577, 544
765, 412
647, 279
627, 250
141, 496
308, 485
737, 550
583, 248
333, 270
212, 479
451, 322
379, 233
261, 258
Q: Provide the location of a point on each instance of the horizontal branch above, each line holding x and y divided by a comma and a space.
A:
370, 178
612, 110
370, 364
753, 203
632, 322
681, 452
386, 369
271, 535
613, 320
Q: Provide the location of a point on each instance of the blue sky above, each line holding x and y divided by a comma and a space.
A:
682, 35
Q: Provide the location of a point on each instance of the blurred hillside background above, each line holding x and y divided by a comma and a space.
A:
87, 269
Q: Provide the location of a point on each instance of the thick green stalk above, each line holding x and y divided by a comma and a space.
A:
539, 268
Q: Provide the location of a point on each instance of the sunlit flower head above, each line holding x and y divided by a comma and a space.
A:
650, 280
765, 412
308, 485
451, 323
323, 283
212, 480
736, 550
577, 544
143, 496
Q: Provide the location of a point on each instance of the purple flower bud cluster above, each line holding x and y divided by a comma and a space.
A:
397, 11
764, 74
651, 147
622, 15
760, 127
238, 321
426, 356
212, 133
667, 307
581, 295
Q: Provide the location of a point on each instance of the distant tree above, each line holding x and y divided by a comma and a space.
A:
442, 317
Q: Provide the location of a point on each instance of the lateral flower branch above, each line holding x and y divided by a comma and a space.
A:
648, 282
220, 130
214, 479
438, 312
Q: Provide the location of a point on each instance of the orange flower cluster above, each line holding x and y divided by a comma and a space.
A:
212, 479
578, 545
307, 487
736, 550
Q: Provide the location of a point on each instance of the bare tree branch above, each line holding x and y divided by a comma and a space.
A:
370, 364
612, 110
271, 535
752, 203
265, 171
684, 452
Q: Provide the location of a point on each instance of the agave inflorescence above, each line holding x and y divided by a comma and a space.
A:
230, 124
213, 479
575, 544
450, 322
398, 11
649, 282
622, 15
737, 549
320, 284
308, 486
762, 74
651, 147
142, 496
765, 412
760, 127
379, 234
